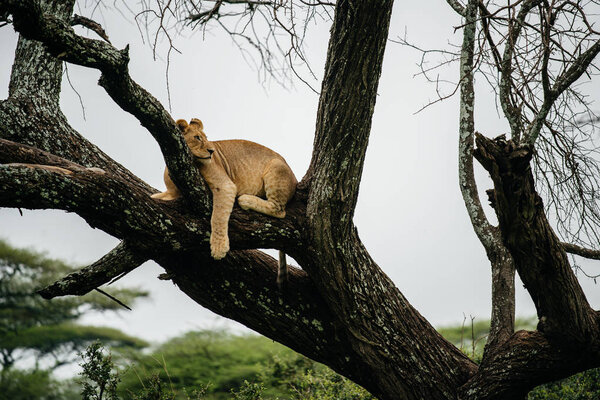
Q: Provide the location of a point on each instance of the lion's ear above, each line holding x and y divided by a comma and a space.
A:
182, 124
198, 122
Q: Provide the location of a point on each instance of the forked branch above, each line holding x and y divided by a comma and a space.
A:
62, 42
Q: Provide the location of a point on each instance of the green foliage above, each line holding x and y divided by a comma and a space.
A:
582, 386
33, 385
301, 378
327, 385
155, 389
46, 338
99, 380
195, 359
290, 376
32, 326
249, 391
223, 365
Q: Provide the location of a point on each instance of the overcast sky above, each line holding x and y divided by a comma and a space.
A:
410, 213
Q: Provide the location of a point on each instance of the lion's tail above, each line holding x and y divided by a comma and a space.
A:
282, 274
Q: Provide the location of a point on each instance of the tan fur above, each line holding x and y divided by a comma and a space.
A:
258, 175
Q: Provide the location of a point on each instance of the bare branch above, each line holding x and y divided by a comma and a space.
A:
456, 6
581, 251
91, 25
503, 290
466, 176
562, 83
113, 298
549, 42
269, 34
119, 261
511, 110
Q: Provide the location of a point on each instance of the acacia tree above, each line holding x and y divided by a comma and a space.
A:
31, 326
340, 309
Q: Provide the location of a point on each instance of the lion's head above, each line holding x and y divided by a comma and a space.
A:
196, 139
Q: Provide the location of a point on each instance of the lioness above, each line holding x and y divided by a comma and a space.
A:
235, 168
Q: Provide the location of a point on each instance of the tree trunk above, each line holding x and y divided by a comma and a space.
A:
340, 309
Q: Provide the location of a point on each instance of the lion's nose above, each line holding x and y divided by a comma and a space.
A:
210, 151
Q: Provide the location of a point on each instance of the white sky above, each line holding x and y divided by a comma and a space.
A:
410, 214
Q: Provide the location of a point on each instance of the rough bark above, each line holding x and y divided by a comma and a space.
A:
567, 338
503, 272
539, 256
117, 263
341, 309
241, 286
125, 210
379, 319
526, 360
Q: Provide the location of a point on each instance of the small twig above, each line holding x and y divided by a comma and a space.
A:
116, 278
473, 343
119, 302
75, 90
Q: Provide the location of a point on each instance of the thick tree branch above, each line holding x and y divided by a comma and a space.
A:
353, 286
525, 361
468, 186
242, 287
346, 106
31, 114
540, 259
40, 79
118, 262
124, 209
103, 200
62, 42
12, 152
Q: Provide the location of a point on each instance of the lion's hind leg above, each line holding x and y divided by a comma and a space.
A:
250, 202
165, 196
171, 193
279, 183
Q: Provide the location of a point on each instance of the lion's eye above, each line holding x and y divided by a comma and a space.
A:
197, 137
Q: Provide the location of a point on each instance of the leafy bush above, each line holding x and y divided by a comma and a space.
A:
31, 326
283, 376
582, 386
33, 385
99, 378
221, 360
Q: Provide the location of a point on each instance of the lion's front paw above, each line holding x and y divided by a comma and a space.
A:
246, 202
219, 246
